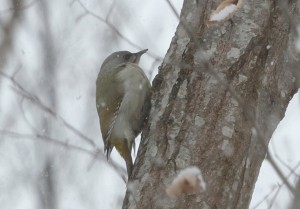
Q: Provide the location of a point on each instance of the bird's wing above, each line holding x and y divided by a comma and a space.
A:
107, 102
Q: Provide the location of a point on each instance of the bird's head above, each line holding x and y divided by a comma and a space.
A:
120, 57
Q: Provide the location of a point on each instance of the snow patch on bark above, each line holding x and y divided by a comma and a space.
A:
242, 78
224, 11
199, 121
188, 181
227, 148
233, 53
226, 131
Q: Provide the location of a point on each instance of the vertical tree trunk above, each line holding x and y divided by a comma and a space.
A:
220, 92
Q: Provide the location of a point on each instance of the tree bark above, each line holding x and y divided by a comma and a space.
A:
218, 97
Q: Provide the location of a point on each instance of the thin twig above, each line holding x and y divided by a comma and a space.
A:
173, 9
33, 98
279, 186
113, 28
22, 7
96, 154
279, 172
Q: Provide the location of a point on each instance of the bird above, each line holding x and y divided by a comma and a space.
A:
123, 102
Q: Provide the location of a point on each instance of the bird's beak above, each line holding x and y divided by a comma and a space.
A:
139, 54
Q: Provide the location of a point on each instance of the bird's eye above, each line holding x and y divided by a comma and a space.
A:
126, 56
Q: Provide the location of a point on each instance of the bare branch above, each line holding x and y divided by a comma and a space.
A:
296, 203
173, 9
114, 29
33, 98
96, 154
279, 172
18, 8
277, 188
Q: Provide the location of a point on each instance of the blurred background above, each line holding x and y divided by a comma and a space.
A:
51, 151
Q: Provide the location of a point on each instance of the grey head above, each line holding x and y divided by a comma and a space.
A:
120, 57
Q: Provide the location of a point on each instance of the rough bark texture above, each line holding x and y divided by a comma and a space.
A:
196, 120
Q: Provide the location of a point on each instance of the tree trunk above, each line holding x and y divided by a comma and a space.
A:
218, 97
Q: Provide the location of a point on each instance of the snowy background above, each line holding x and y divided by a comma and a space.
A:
50, 140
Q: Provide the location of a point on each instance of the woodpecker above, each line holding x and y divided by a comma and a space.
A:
123, 102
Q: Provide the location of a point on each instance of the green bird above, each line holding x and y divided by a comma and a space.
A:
123, 102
